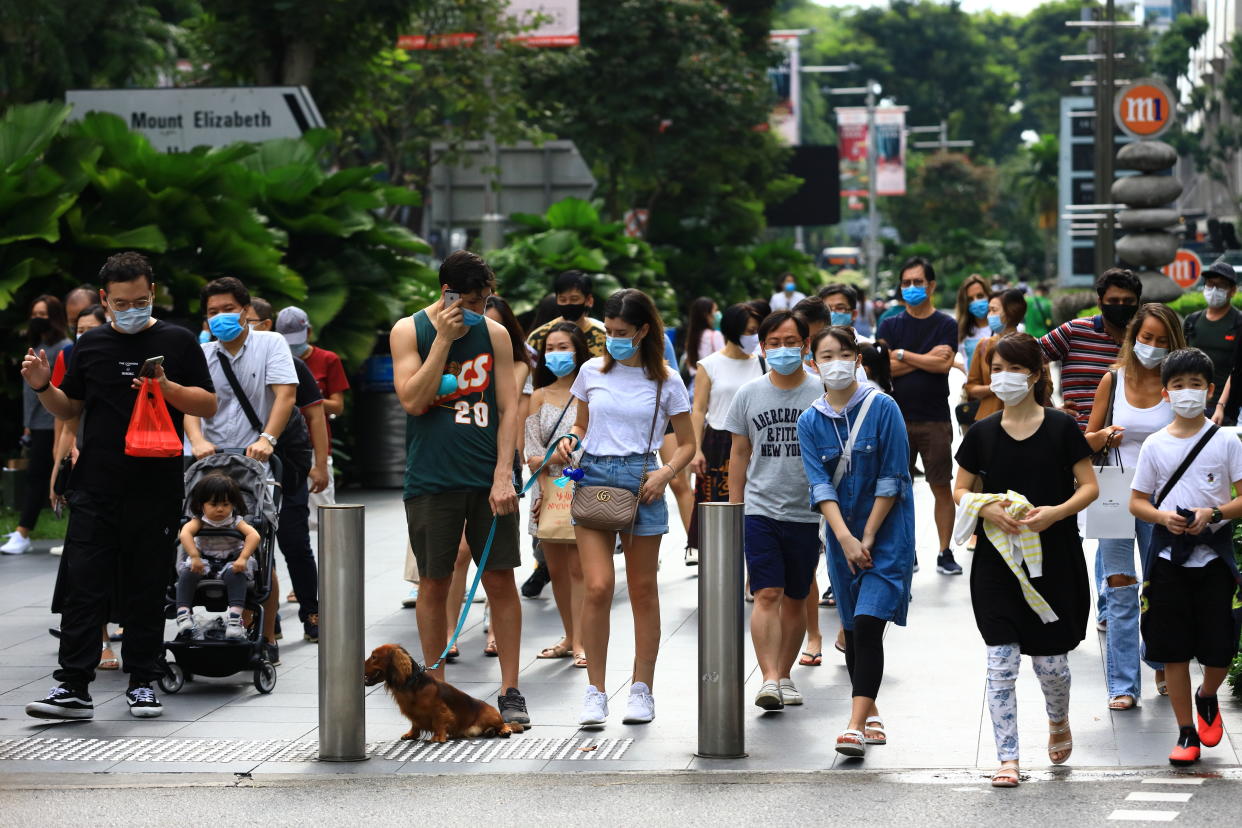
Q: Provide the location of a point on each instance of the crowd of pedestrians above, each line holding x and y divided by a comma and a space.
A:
817, 413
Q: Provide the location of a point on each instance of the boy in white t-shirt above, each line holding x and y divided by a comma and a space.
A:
1190, 568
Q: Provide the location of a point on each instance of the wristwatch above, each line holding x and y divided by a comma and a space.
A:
268, 437
901, 354
1217, 517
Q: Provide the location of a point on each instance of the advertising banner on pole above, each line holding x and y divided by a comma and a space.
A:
559, 27
890, 129
787, 84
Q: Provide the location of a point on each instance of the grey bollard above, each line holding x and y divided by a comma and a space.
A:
342, 717
722, 731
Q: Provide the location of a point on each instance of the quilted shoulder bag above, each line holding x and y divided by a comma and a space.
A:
611, 508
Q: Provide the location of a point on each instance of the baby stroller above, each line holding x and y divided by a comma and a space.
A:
213, 655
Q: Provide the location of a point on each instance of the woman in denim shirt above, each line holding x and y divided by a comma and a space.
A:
869, 508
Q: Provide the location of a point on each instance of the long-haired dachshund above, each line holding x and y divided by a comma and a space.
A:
432, 706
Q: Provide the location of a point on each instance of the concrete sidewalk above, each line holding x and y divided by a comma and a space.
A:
932, 698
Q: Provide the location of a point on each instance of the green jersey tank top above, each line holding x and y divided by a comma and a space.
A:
452, 446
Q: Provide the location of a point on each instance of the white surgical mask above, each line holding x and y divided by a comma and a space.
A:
1010, 387
749, 342
1188, 402
1149, 355
837, 374
1216, 297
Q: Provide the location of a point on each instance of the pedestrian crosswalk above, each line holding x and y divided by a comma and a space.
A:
1149, 794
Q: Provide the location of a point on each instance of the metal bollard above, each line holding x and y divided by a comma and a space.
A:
342, 717
722, 731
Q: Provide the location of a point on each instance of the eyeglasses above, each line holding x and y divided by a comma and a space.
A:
122, 305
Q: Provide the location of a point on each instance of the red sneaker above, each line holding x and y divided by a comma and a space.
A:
1186, 751
1211, 728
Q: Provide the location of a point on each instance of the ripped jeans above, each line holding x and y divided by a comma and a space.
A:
1119, 606
1054, 678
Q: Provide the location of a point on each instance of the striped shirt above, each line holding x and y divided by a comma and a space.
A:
1085, 351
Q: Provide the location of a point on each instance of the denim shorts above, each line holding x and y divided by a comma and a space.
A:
625, 473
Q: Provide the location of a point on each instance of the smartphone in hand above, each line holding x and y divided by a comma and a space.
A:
450, 296
148, 367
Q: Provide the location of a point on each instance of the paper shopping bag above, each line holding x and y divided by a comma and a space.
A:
555, 503
1109, 516
151, 432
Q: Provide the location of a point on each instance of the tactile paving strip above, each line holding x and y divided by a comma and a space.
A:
574, 748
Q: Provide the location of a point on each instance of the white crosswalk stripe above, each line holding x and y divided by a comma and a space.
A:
1158, 796
1143, 816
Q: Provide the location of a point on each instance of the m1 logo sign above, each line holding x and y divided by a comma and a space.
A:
1185, 269
1144, 109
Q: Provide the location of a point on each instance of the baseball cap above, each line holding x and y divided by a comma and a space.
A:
1222, 269
293, 324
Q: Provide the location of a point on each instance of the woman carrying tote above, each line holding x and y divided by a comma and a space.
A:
1129, 407
1028, 582
719, 376
564, 351
857, 461
625, 399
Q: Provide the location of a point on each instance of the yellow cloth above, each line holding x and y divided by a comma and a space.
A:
1015, 550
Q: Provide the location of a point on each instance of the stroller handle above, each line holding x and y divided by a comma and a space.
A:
273, 463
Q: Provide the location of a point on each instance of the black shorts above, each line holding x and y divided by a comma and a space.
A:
436, 523
1188, 614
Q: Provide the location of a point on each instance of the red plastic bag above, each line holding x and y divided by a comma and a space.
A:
151, 432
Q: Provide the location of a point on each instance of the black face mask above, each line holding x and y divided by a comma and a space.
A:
572, 313
37, 329
1119, 315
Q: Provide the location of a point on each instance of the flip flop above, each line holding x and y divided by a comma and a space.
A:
558, 651
1117, 703
490, 650
809, 659
453, 654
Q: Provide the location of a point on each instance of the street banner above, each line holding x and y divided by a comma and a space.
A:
787, 85
890, 128
890, 162
559, 27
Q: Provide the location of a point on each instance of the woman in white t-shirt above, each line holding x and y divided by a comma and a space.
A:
1138, 411
618, 394
719, 377
787, 294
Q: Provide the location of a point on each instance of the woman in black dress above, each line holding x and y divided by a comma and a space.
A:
1023, 604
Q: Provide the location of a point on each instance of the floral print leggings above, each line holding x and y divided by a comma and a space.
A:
1054, 678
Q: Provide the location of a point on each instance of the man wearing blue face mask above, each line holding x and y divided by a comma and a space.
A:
120, 543
923, 343
787, 294
453, 372
766, 473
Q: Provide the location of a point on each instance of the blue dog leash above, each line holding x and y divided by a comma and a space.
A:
487, 548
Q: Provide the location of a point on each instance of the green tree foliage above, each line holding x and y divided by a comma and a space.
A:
1170, 55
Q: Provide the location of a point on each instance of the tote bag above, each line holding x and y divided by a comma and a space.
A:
554, 510
151, 432
1109, 515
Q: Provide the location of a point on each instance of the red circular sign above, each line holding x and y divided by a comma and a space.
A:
1144, 109
1185, 269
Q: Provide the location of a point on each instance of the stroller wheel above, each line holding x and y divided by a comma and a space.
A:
265, 677
174, 679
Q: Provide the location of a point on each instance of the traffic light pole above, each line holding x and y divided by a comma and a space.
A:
1105, 251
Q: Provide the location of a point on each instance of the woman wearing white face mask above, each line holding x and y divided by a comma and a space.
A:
716, 381
856, 455
1032, 597
1128, 408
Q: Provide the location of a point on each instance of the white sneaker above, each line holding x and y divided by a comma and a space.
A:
789, 693
233, 629
640, 707
594, 707
16, 545
410, 601
769, 696
57, 551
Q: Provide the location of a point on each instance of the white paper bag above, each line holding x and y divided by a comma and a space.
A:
1109, 516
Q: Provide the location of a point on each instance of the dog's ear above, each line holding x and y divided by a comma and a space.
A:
399, 665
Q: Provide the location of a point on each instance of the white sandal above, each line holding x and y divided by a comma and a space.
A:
1006, 776
852, 743
875, 723
1057, 747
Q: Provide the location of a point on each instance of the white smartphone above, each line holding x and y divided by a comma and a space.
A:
450, 296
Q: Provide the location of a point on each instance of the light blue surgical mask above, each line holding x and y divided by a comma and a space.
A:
225, 326
204, 337
785, 360
716, 317
914, 295
298, 350
979, 308
842, 319
470, 318
996, 323
132, 320
790, 287
559, 363
621, 347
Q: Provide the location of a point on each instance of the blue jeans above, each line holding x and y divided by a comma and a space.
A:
1119, 606
626, 473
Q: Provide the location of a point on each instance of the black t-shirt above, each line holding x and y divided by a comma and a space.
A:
922, 396
308, 387
101, 370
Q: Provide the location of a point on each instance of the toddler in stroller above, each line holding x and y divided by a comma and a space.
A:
215, 543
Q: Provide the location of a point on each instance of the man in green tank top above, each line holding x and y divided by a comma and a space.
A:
453, 372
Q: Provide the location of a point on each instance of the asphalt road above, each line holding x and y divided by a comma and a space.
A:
684, 799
